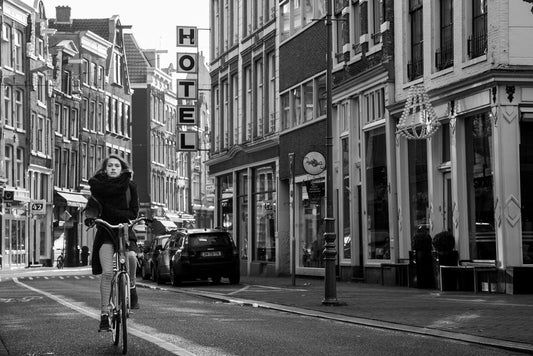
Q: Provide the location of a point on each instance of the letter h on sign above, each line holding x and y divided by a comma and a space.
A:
187, 36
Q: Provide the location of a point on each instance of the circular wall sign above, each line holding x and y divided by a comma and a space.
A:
314, 163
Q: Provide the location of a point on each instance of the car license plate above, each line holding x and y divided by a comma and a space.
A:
211, 254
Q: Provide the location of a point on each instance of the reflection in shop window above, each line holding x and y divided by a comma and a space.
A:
264, 228
311, 223
347, 239
479, 172
377, 195
242, 211
418, 184
526, 193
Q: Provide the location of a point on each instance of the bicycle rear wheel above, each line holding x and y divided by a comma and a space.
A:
123, 310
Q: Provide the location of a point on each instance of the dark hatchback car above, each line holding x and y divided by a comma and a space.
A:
202, 254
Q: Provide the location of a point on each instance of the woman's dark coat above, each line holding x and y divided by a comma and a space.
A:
109, 196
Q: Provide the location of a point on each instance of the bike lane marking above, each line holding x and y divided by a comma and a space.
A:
90, 312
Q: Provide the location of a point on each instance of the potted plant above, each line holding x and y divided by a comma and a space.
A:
420, 260
444, 244
444, 255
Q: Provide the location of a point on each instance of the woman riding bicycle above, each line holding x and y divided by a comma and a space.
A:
114, 197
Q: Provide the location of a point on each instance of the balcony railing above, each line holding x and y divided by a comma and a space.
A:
477, 45
444, 57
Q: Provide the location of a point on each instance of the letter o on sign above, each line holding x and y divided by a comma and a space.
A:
187, 62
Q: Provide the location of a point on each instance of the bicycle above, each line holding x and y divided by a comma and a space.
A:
119, 297
60, 262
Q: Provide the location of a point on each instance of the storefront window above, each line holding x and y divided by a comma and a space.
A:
377, 204
311, 225
479, 170
418, 185
242, 211
526, 193
346, 226
225, 186
264, 204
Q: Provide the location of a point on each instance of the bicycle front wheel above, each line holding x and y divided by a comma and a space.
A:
123, 310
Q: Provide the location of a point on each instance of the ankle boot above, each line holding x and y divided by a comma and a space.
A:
134, 299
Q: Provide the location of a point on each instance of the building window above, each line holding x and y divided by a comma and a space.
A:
84, 113
264, 211
17, 48
477, 42
84, 173
41, 89
7, 58
259, 99
247, 104
8, 156
526, 193
377, 19
20, 176
85, 71
66, 120
57, 117
73, 177
92, 116
375, 105
235, 109
303, 103
18, 111
270, 114
294, 18
418, 184
74, 123
356, 14
377, 201
8, 111
479, 158
346, 211
64, 168
444, 55
342, 21
415, 66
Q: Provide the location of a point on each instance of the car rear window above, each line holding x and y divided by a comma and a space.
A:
204, 240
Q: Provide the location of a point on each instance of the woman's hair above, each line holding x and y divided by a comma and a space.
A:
123, 164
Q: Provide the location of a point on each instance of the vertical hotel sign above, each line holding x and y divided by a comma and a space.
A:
187, 89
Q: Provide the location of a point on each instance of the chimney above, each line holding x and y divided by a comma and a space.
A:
63, 15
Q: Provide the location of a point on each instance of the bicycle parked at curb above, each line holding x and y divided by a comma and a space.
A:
119, 297
60, 262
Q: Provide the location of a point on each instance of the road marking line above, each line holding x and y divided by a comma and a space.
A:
239, 290
93, 313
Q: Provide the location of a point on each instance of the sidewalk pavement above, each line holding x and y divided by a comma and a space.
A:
499, 320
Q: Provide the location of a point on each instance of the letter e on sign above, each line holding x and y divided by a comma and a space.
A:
187, 62
186, 36
187, 141
187, 115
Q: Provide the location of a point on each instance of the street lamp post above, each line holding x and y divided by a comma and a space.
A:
330, 251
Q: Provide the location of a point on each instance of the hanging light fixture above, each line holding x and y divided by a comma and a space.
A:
418, 120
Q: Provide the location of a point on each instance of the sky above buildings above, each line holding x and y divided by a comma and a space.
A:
154, 22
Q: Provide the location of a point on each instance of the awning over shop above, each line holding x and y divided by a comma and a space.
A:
73, 199
162, 227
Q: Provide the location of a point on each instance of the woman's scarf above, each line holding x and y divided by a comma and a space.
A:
104, 186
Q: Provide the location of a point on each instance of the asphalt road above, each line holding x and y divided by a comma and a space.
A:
59, 316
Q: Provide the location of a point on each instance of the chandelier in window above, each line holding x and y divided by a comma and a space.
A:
418, 120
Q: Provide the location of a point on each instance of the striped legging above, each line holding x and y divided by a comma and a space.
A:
106, 260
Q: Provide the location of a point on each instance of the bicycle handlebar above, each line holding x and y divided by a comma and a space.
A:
121, 225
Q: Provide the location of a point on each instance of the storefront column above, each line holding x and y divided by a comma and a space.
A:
459, 185
507, 184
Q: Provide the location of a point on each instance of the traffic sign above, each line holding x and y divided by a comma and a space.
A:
187, 115
187, 36
187, 62
38, 207
187, 141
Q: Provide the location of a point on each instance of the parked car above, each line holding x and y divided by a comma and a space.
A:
162, 273
203, 253
150, 253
